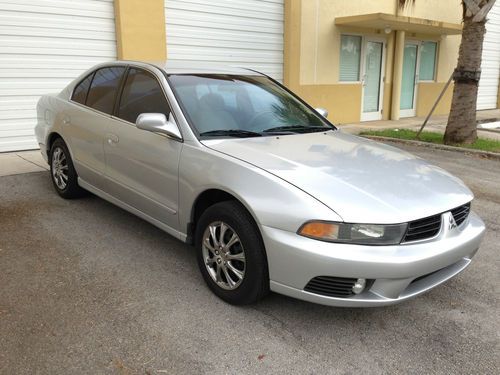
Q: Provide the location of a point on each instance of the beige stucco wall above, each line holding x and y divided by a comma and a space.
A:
140, 29
314, 73
320, 38
312, 45
439, 10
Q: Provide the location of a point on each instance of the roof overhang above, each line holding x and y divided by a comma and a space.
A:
410, 24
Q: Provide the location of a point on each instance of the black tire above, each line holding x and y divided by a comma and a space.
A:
71, 189
255, 282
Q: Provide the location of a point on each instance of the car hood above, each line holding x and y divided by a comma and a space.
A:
361, 180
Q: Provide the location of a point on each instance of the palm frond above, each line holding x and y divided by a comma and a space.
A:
404, 3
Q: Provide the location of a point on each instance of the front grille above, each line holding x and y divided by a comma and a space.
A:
461, 213
423, 229
331, 286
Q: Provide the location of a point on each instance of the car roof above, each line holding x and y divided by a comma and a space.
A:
196, 67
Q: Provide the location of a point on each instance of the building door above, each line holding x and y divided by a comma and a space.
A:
487, 96
409, 80
43, 47
243, 33
372, 79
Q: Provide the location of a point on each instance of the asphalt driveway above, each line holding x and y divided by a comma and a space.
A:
86, 287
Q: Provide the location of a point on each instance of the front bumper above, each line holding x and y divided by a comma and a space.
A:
295, 260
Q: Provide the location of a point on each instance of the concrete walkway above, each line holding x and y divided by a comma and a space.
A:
436, 124
21, 162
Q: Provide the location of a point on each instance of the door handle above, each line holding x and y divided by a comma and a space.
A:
112, 139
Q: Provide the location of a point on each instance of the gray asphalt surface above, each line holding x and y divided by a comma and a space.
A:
86, 288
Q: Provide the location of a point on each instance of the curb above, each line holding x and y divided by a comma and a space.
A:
477, 153
489, 130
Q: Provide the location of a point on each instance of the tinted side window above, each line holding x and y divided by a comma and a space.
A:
81, 90
141, 94
104, 88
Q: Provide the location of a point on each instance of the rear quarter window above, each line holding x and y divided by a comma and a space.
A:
81, 89
104, 89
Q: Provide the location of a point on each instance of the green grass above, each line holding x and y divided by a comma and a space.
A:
431, 137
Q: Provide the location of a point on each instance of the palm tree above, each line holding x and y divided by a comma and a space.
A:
462, 127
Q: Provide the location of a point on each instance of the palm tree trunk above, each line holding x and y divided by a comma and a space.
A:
462, 127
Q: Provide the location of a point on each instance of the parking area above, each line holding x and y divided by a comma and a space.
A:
86, 287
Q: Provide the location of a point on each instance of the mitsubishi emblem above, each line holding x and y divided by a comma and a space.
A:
451, 222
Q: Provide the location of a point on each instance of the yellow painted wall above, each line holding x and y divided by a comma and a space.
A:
427, 94
386, 110
312, 52
320, 38
140, 29
292, 30
343, 101
439, 10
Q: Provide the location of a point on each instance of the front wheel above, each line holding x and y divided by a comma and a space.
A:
231, 254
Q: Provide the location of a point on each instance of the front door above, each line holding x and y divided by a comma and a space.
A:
409, 80
372, 79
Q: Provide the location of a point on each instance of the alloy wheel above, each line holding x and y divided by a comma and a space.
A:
224, 255
60, 168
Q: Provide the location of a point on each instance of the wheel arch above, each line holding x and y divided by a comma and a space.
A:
51, 139
206, 199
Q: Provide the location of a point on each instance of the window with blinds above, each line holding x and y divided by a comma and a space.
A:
428, 52
350, 58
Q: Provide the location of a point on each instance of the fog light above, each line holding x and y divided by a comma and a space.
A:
359, 286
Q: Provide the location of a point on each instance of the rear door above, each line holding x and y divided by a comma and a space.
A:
94, 98
142, 167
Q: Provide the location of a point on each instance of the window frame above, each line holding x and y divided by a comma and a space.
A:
195, 130
115, 114
88, 89
119, 94
118, 88
86, 97
434, 76
361, 52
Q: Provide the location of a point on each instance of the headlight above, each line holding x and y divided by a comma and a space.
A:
362, 234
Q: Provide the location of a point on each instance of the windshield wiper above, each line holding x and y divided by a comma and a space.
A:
298, 129
230, 133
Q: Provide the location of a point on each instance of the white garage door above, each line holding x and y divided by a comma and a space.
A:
243, 33
44, 44
490, 67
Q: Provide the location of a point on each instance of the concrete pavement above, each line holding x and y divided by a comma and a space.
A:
87, 288
22, 162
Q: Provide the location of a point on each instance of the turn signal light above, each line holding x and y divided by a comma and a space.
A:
318, 229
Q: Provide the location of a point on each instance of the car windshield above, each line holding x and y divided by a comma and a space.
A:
220, 105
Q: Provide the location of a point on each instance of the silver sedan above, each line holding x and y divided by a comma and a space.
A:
271, 194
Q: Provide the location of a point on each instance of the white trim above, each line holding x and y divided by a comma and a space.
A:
403, 113
377, 115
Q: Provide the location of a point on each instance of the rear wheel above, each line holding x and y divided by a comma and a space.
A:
62, 171
231, 254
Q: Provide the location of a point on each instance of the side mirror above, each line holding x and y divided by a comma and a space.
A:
158, 123
323, 112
